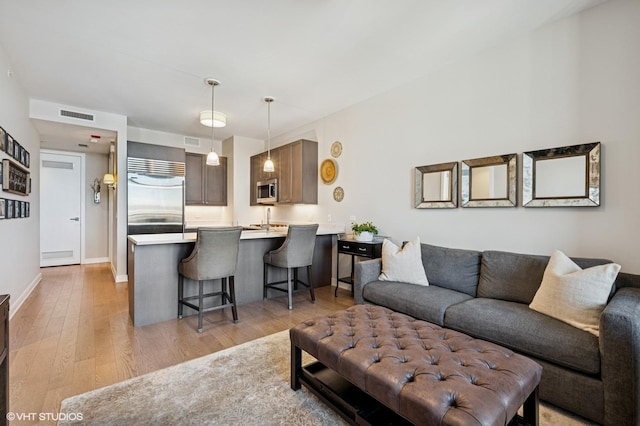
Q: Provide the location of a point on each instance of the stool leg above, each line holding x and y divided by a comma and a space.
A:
289, 288
225, 292
180, 294
200, 305
232, 289
313, 296
264, 282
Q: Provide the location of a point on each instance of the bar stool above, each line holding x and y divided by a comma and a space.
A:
294, 253
214, 256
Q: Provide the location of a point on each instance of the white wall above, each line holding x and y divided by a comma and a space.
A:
96, 215
573, 81
19, 238
239, 150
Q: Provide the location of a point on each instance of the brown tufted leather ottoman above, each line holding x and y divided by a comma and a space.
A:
425, 373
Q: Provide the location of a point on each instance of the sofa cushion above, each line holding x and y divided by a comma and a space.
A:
455, 269
516, 277
526, 331
425, 303
402, 264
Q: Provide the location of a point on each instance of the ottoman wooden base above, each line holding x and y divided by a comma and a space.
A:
394, 369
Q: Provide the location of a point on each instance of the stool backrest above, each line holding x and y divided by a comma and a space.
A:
217, 252
299, 245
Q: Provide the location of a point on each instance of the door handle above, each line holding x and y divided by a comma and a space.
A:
77, 219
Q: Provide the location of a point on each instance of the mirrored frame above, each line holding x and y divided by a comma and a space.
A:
509, 182
450, 201
590, 193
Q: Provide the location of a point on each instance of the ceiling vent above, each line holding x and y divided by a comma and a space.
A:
191, 141
78, 115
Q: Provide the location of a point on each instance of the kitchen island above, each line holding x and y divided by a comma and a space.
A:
153, 270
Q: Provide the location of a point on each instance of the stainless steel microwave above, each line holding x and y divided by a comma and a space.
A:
267, 191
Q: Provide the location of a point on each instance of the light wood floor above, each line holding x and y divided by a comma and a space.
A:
73, 334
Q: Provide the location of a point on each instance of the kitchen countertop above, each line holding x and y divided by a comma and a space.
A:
189, 237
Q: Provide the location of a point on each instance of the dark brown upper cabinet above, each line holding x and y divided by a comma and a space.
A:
205, 185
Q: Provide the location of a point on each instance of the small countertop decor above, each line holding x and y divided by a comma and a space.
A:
336, 149
338, 193
329, 171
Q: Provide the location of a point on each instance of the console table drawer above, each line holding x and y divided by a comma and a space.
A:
358, 249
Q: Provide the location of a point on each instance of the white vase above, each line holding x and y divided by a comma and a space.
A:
364, 236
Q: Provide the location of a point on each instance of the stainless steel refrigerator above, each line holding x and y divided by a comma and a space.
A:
155, 191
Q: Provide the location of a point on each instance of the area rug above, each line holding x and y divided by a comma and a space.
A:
247, 384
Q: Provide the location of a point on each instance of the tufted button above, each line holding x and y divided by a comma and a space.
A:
375, 346
452, 400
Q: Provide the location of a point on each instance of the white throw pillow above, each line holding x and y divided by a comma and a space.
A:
403, 264
574, 295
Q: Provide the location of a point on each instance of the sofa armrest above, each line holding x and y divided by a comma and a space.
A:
365, 272
620, 352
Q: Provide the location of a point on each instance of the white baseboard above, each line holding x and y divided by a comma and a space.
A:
15, 305
96, 260
118, 278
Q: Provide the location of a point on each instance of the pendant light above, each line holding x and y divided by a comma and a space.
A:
268, 165
212, 157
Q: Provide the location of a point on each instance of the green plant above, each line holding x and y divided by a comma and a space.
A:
357, 228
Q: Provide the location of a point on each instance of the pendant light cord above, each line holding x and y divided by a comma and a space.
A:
269, 130
213, 89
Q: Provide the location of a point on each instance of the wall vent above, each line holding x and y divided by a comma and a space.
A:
78, 115
191, 141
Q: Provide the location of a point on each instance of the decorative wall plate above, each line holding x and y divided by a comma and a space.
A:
336, 149
338, 193
328, 171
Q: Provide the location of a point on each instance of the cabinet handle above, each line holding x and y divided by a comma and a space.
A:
345, 247
362, 249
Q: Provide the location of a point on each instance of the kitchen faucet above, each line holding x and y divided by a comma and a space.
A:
268, 218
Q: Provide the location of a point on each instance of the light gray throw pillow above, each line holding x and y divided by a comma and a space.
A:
574, 295
403, 264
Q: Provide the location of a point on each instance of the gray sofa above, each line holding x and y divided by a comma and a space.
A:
486, 295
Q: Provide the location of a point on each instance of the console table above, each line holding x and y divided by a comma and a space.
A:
4, 358
368, 249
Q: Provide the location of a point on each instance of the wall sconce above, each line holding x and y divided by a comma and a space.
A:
109, 179
96, 190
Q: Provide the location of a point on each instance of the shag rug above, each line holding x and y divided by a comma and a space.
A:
247, 384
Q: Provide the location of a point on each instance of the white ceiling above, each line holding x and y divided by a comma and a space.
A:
148, 59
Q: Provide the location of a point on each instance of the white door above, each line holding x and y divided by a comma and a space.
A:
60, 207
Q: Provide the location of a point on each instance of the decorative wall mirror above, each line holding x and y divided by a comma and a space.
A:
562, 177
436, 186
489, 181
